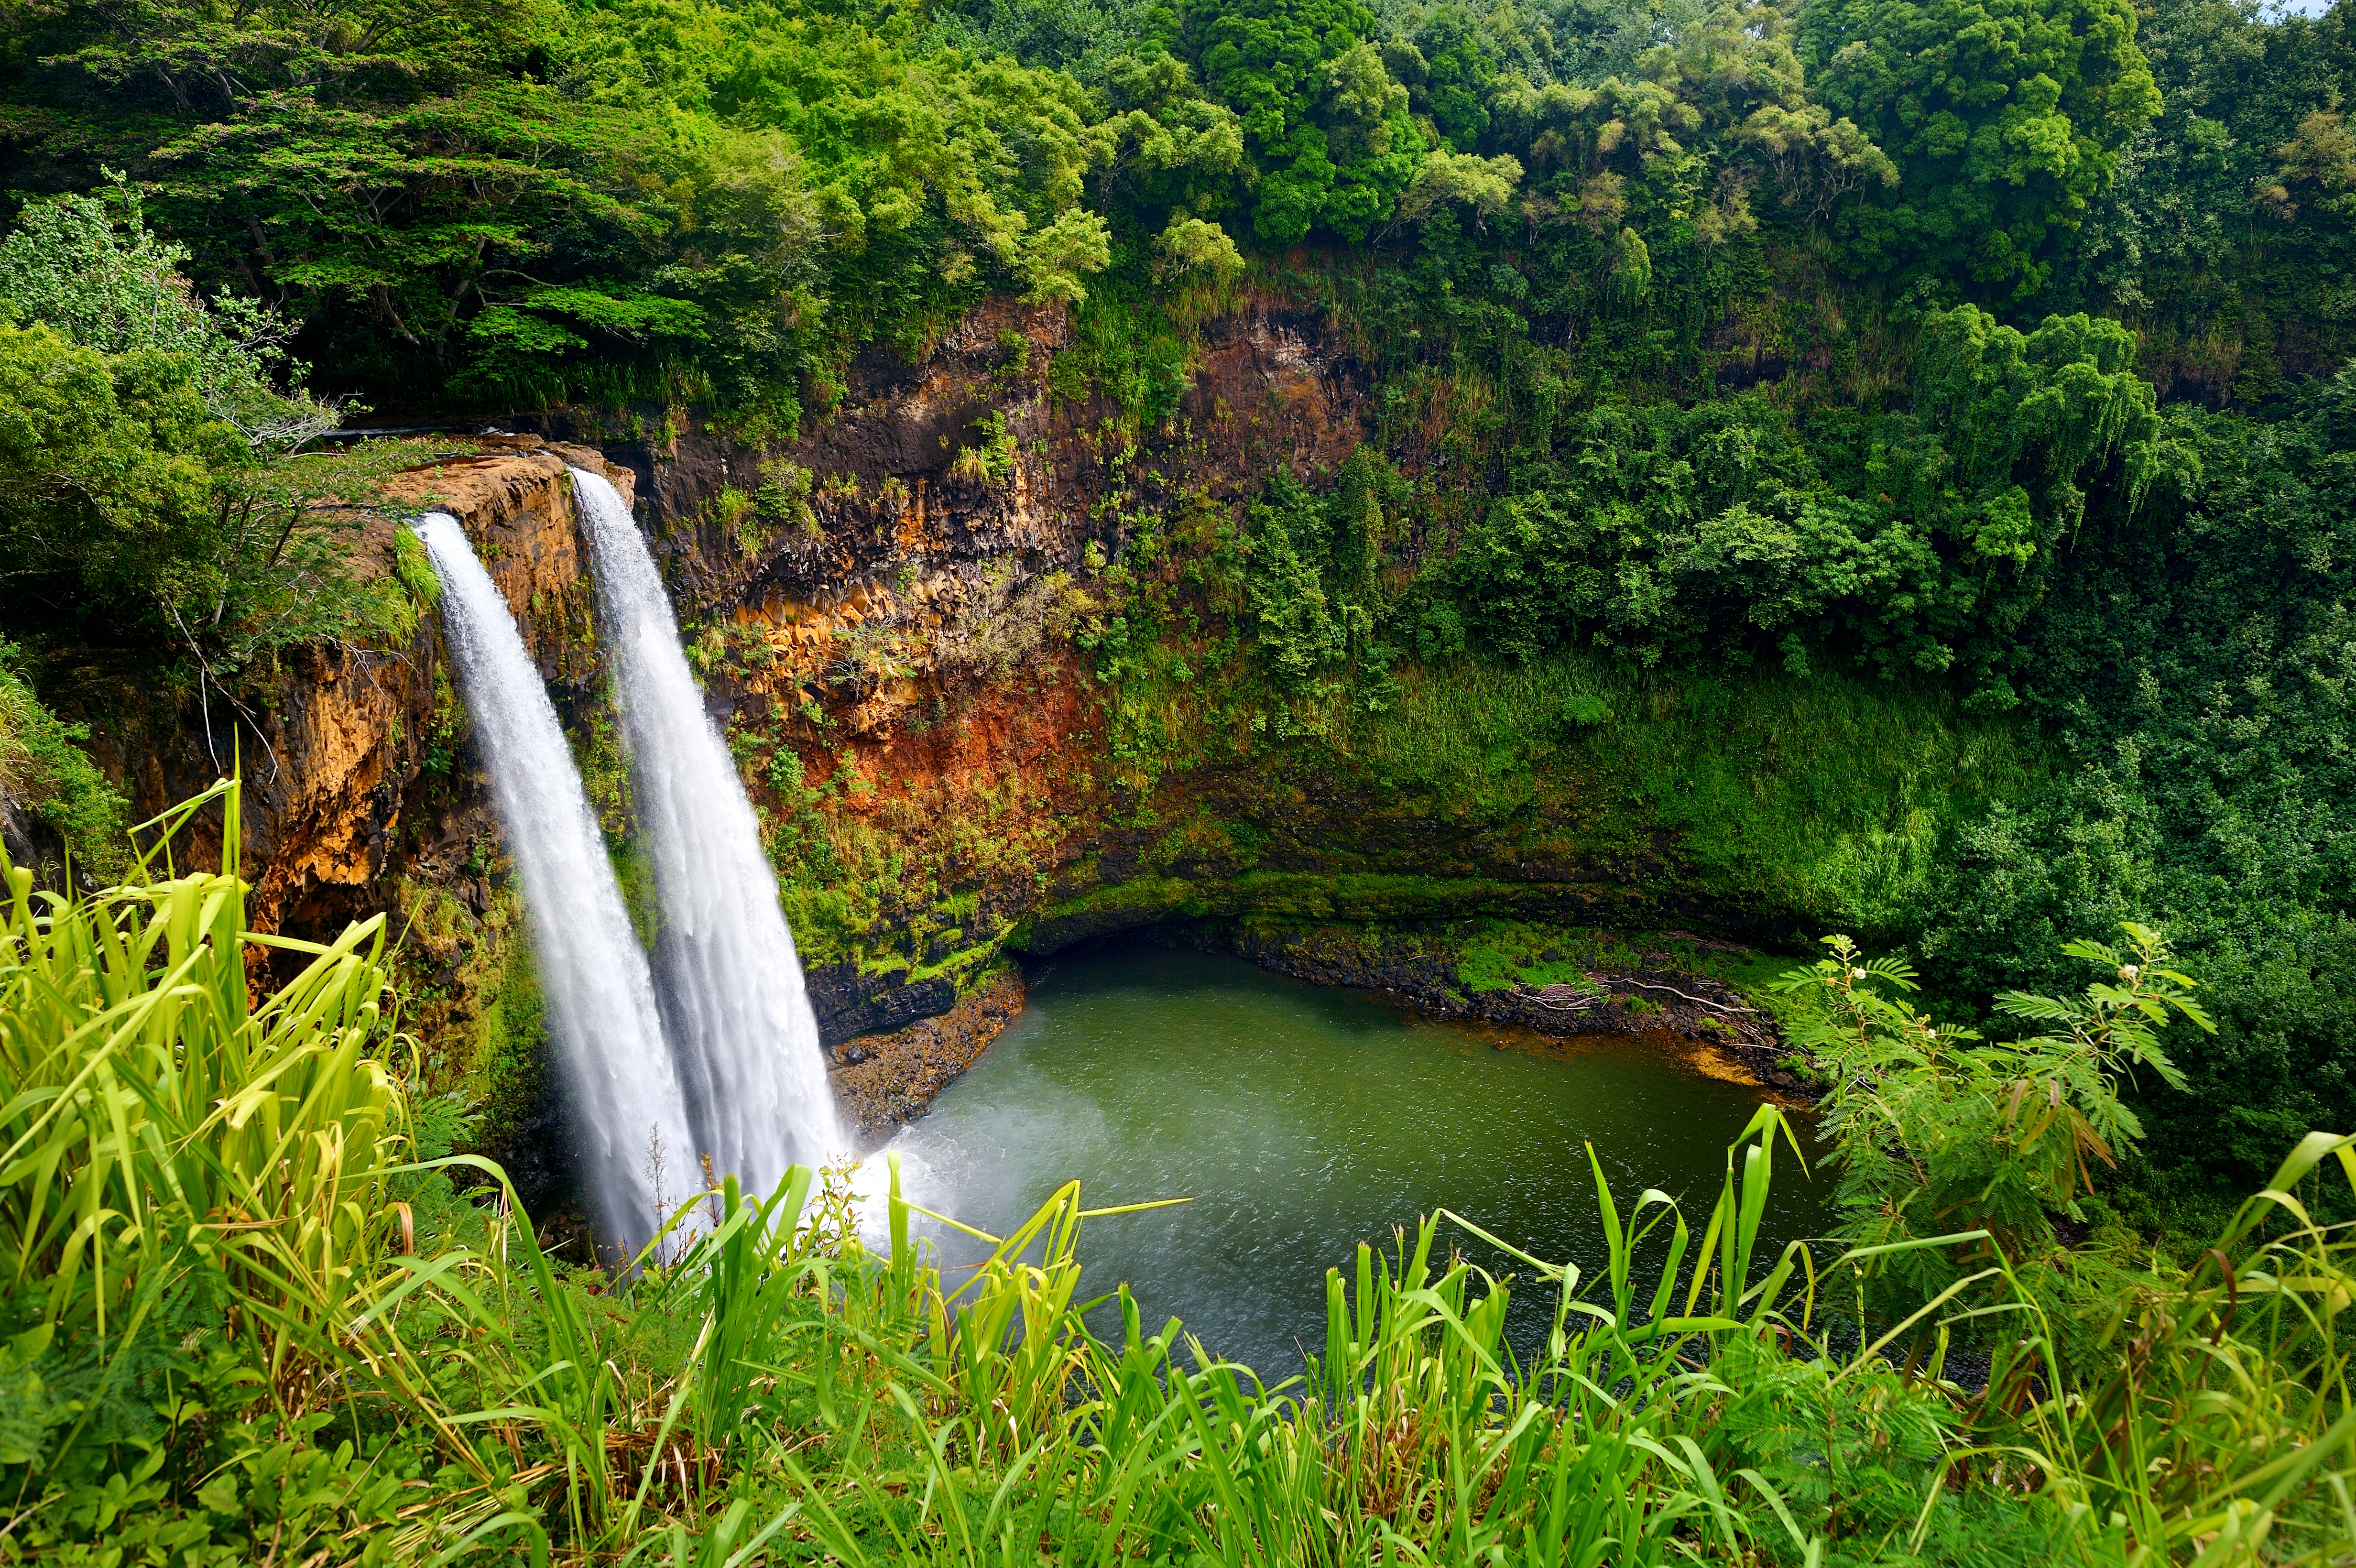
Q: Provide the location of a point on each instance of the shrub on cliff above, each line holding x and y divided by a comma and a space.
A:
1916, 541
156, 491
45, 775
89, 268
1938, 1131
2006, 120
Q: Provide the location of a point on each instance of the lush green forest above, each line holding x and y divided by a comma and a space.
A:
1991, 351
1986, 355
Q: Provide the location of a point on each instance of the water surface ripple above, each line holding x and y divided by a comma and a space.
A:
1301, 1120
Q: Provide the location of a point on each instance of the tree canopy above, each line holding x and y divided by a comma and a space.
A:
1953, 345
2006, 121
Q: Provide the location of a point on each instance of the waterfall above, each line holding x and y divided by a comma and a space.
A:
729, 982
601, 1003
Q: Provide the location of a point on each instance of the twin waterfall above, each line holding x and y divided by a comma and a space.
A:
708, 1065
727, 977
601, 1004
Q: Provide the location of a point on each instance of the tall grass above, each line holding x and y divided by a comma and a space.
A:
2210, 1413
854, 1404
154, 1121
405, 1377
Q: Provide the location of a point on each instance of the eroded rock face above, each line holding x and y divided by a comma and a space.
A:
850, 1004
885, 1080
907, 472
357, 729
888, 606
332, 757
887, 614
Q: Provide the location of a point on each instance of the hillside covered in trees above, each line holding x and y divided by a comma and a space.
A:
1986, 355
1877, 467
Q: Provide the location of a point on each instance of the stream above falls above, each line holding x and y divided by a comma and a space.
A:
1303, 1119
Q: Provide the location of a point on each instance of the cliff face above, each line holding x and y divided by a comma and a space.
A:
362, 794
900, 621
336, 756
900, 504
889, 610
894, 617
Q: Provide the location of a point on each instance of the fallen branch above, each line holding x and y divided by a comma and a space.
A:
1697, 1001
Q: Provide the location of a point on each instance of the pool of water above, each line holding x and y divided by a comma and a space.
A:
1301, 1120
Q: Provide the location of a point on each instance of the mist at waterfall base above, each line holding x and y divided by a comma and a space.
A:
1303, 1120
726, 976
600, 996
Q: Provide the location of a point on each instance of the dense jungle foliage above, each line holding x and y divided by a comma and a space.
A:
250, 1320
1987, 354
1973, 364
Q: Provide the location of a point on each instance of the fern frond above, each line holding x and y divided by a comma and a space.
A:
2042, 1009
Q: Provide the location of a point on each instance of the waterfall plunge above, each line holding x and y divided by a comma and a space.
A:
729, 984
601, 1004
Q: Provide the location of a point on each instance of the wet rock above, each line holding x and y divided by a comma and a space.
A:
849, 1003
882, 1081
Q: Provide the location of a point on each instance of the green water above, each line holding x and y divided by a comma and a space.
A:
1303, 1120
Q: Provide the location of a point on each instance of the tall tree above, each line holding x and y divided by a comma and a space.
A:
2006, 118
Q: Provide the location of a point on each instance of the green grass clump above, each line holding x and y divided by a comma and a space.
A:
161, 1128
251, 1320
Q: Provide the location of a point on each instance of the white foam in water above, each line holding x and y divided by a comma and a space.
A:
600, 1000
871, 1192
727, 977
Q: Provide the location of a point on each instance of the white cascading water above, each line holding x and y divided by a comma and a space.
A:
600, 998
727, 977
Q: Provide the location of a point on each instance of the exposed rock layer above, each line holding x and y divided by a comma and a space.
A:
333, 750
1610, 998
886, 1080
884, 613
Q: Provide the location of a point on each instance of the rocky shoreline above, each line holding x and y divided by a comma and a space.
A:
1422, 968
884, 1080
